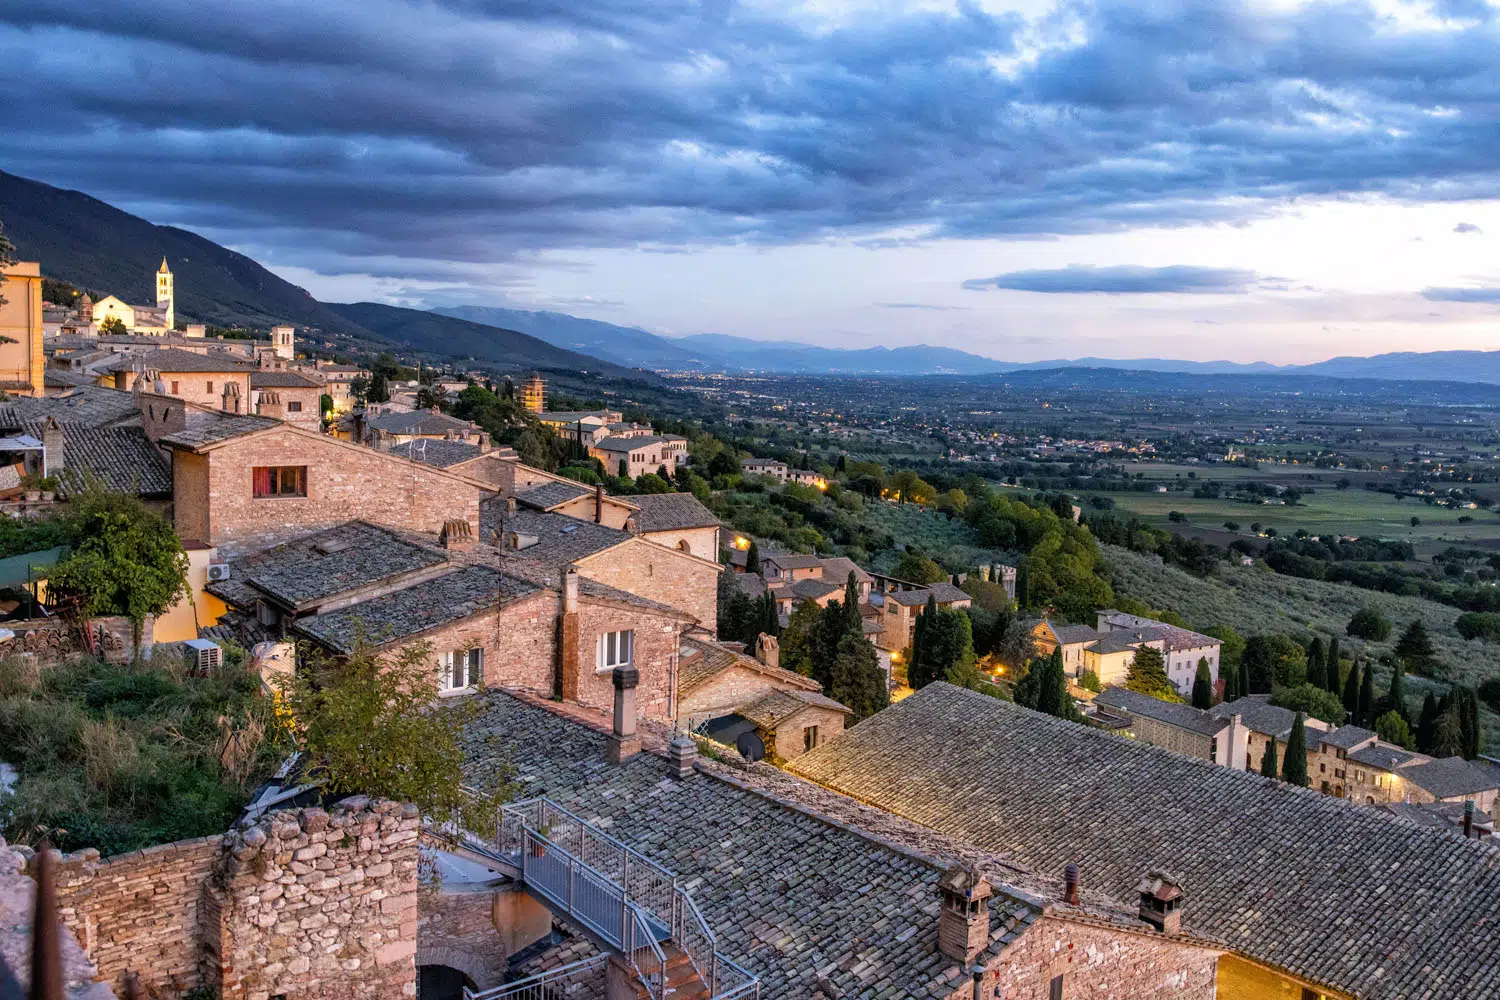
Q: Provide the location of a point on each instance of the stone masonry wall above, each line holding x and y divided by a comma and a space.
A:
1161, 734
457, 929
519, 642
660, 574
139, 912
655, 656
343, 482
1098, 963
317, 904
790, 740
728, 691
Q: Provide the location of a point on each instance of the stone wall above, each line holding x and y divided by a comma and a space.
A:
139, 912
344, 481
457, 929
656, 642
789, 740
1098, 963
519, 642
728, 691
1161, 734
673, 578
317, 904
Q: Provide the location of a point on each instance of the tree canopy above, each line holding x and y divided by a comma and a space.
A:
1147, 674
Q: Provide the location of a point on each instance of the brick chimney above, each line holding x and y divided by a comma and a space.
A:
1070, 884
682, 754
1161, 902
623, 742
964, 920
270, 406
457, 536
768, 649
53, 455
598, 503
568, 665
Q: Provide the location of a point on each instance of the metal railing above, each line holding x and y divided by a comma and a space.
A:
627, 899
583, 979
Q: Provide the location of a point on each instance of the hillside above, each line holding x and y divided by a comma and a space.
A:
95, 246
459, 338
1466, 366
623, 345
792, 358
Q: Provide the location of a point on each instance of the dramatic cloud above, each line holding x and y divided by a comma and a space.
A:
1122, 280
1467, 227
420, 136
1482, 295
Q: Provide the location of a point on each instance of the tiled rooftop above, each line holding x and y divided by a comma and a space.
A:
323, 564
1261, 716
438, 453
206, 429
625, 445
1345, 737
545, 496
700, 661
770, 708
1384, 756
416, 609
804, 904
1172, 713
560, 539
1070, 634
1448, 777
672, 511
417, 422
175, 359
1332, 891
91, 405
1173, 637
945, 593
282, 380
123, 458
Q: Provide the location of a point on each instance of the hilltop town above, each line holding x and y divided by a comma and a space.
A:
742, 729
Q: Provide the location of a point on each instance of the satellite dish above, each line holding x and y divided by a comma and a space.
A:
750, 747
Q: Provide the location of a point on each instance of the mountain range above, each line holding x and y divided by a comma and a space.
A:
98, 247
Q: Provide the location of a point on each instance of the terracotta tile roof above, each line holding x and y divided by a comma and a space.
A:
1346, 737
1385, 756
418, 422
416, 609
625, 445
91, 404
1261, 716
700, 661
1070, 634
1337, 893
672, 511
774, 706
795, 899
1174, 638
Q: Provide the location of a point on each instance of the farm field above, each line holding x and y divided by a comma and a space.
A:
1253, 599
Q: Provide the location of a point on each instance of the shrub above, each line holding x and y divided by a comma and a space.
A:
1479, 625
1367, 623
1312, 700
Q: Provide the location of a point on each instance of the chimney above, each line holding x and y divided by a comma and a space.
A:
53, 455
682, 754
484, 442
457, 536
1161, 899
598, 503
623, 742
632, 526
570, 590
1468, 818
1070, 884
768, 649
270, 406
510, 505
964, 920
569, 643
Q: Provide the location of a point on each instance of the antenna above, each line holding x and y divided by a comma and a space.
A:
750, 746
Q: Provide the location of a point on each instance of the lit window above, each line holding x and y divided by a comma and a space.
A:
461, 669
279, 480
615, 649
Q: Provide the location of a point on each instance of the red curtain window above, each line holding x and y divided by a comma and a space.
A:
279, 480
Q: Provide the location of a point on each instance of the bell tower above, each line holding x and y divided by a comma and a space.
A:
164, 293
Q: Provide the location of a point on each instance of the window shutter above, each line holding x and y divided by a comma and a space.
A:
476, 667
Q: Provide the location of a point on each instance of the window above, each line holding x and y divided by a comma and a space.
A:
461, 669
294, 407
210, 387
280, 480
615, 649
174, 387
1055, 988
809, 737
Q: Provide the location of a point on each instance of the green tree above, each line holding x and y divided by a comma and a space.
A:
1448, 735
1367, 695
1273, 660
1466, 704
1268, 767
1427, 723
736, 609
1367, 623
1242, 685
1312, 700
1414, 648
1395, 695
125, 560
1052, 688
1203, 686
1147, 674
1479, 625
917, 568
948, 648
112, 326
918, 671
855, 677
752, 558
1332, 668
367, 725
1231, 677
1351, 691
1315, 663
1232, 645
800, 638
1294, 768
1392, 728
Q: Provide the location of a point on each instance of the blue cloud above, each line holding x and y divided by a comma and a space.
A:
1124, 279
1484, 295
458, 132
1468, 227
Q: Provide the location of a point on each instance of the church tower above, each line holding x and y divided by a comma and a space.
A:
164, 294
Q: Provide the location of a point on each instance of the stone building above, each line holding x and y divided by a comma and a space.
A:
1181, 648
214, 379
1263, 723
22, 363
901, 607
636, 456
288, 396
1293, 882
676, 521
1178, 727
384, 428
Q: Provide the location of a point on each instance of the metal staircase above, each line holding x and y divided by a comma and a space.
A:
624, 899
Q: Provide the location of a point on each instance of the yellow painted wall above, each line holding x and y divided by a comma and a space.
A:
21, 362
1240, 979
200, 610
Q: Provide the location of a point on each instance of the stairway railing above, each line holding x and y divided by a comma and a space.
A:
585, 977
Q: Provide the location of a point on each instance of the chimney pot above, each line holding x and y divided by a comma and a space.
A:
1161, 902
623, 742
510, 505
682, 754
964, 920
768, 649
570, 590
457, 535
1070, 884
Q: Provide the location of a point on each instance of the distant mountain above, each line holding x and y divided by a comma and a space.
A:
95, 246
1209, 384
792, 358
1158, 365
624, 345
460, 338
1454, 366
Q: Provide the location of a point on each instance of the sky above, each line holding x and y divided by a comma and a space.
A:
1026, 179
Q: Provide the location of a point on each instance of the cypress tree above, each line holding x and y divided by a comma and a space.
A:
1414, 648
1395, 697
1268, 760
1466, 708
1448, 735
1242, 682
1351, 692
1231, 676
1203, 686
1427, 723
1023, 586
1315, 667
851, 606
772, 623
1294, 768
1052, 689
1367, 695
1331, 665
752, 558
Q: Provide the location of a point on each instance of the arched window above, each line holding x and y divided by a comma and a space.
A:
685, 547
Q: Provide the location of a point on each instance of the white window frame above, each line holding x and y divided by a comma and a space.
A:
614, 649
470, 661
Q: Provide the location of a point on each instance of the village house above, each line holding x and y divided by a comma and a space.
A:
765, 467
339, 380
1263, 723
585, 426
1173, 725
677, 521
1181, 648
1355, 764
1108, 650
215, 379
383, 429
22, 363
635, 456
1072, 639
901, 608
288, 396
1273, 872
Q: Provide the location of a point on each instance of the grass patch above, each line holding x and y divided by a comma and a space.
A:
123, 757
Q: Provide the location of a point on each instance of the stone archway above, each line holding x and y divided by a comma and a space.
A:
481, 973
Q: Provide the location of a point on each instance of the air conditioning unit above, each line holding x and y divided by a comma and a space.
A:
207, 656
218, 571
